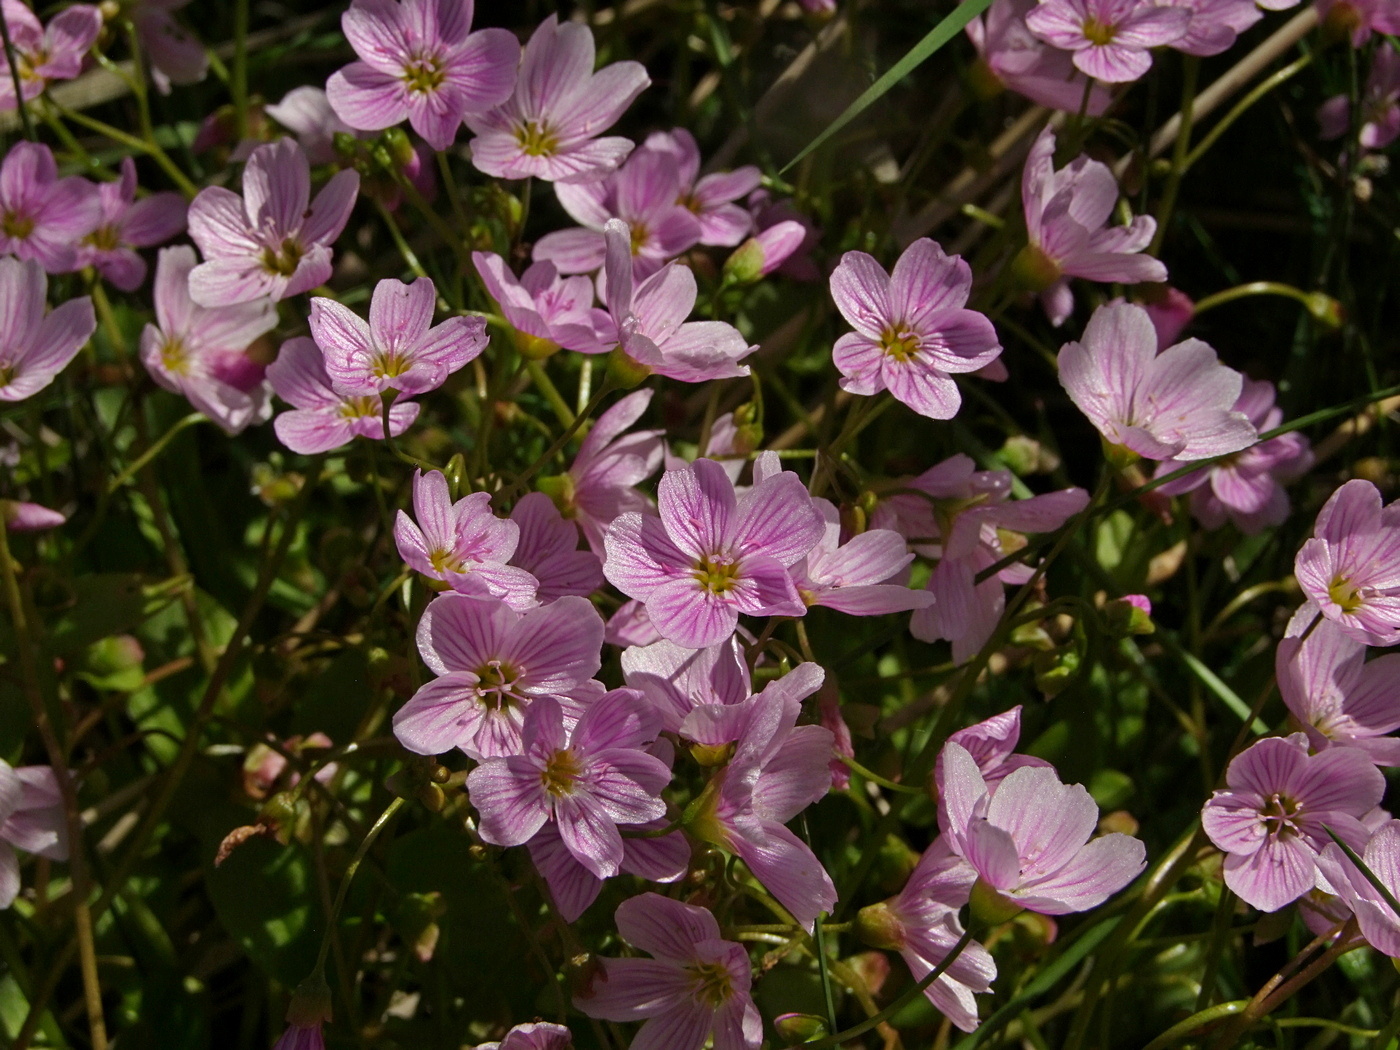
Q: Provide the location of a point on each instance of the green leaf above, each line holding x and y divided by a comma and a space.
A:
918, 54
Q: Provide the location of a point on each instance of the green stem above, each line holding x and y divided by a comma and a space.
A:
24, 116
1190, 74
379, 825
151, 149
1259, 91
516, 486
1179, 1031
1242, 291
551, 392
156, 448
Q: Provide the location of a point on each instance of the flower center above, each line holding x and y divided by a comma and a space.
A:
104, 238
284, 260
17, 225
899, 344
389, 364
29, 62
1278, 813
712, 985
1099, 33
639, 238
560, 773
443, 560
175, 357
495, 680
423, 74
7, 375
359, 407
536, 140
1345, 593
717, 574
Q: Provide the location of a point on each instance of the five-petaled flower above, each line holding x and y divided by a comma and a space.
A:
1351, 566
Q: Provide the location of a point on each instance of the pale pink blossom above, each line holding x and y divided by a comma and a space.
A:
1380, 104
1351, 565
549, 126
548, 550
127, 224
864, 576
31, 821
34, 345
45, 53
1110, 40
710, 197
201, 352
306, 112
175, 54
1021, 61
44, 217
537, 1035
546, 310
1380, 924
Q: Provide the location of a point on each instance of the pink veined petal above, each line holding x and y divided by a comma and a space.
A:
663, 301
993, 853
23, 288
861, 289
436, 115
484, 70
776, 518
218, 224
1097, 871
401, 314
60, 336
1354, 509
509, 798
663, 927
230, 280
572, 886
154, 219
789, 870
622, 718
798, 776
330, 211
874, 599
686, 1027
441, 715
277, 186
699, 351
589, 834
689, 614
861, 364
461, 633
764, 587
312, 431
1149, 26
378, 31
640, 555
1340, 780
298, 375
347, 343
1048, 820
607, 95
1113, 65
366, 98
926, 281
922, 387
961, 790
572, 251
1278, 873
559, 645
635, 989
555, 65
698, 508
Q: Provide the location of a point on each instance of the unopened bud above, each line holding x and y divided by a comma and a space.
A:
794, 1029
878, 926
894, 863
1326, 310
456, 474
1131, 614
311, 1002
1055, 670
763, 253
279, 815
989, 907
1025, 455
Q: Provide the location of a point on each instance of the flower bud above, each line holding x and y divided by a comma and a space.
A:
1055, 670
1025, 455
1131, 614
311, 1002
894, 863
1033, 270
989, 907
1326, 310
763, 253
793, 1029
879, 927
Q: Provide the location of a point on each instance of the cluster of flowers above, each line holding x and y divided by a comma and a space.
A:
1286, 798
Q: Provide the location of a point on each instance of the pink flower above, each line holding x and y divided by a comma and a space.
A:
586, 780
769, 213
324, 419
202, 352
911, 328
766, 251
176, 56
1028, 837
548, 550
462, 544
1067, 212
663, 858
678, 680
1178, 404
711, 554
492, 663
650, 326
549, 126
301, 1037
400, 348
1351, 566
852, 576
1246, 488
777, 770
695, 988
18, 516
601, 482
1359, 18
274, 240
992, 745
420, 61
31, 821
1111, 40
1338, 697
710, 197
1380, 104
43, 217
537, 1035
547, 311
1380, 925
1271, 817
1021, 61
128, 224
306, 112
46, 53
35, 346
921, 923
1214, 24
644, 193
1171, 311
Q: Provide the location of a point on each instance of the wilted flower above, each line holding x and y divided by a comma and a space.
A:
1246, 488
492, 662
694, 988
419, 61
1351, 566
202, 351
549, 126
921, 923
1272, 816
274, 240
43, 217
45, 53
1178, 404
324, 419
1380, 925
1067, 213
463, 544
400, 348
1111, 40
911, 328
587, 779
1338, 696
711, 554
35, 346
